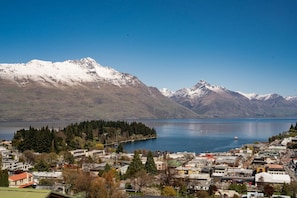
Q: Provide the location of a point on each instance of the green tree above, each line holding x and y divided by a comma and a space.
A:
120, 148
3, 175
41, 166
150, 165
240, 188
135, 165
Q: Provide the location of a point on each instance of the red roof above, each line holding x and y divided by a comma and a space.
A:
26, 185
20, 176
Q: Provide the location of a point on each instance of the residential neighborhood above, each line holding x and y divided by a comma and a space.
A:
260, 169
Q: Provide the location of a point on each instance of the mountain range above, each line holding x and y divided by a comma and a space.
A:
215, 101
76, 90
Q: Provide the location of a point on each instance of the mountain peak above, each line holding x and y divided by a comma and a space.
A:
70, 72
202, 84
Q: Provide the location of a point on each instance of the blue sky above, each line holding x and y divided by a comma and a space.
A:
248, 45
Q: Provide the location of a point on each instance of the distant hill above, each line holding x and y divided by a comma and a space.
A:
214, 101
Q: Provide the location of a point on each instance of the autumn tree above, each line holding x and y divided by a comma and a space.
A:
29, 156
169, 191
83, 182
268, 190
202, 194
142, 179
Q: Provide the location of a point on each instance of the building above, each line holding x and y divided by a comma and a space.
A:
14, 165
21, 180
264, 177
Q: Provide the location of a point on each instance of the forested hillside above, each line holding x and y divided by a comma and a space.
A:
87, 135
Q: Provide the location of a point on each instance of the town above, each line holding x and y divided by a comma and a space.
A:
260, 169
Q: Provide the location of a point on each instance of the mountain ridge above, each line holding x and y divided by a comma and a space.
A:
215, 101
78, 90
83, 90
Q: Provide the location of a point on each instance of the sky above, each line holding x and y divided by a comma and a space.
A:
242, 45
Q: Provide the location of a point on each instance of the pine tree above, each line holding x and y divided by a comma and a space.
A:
120, 148
135, 166
3, 175
150, 165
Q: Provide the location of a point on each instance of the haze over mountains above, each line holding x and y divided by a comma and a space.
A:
78, 90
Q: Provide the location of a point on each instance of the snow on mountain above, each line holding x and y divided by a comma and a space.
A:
291, 98
202, 88
166, 92
198, 90
254, 96
70, 72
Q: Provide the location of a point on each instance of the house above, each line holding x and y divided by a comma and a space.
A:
276, 169
253, 195
219, 170
96, 154
239, 175
160, 165
46, 175
264, 177
78, 154
226, 193
21, 180
14, 165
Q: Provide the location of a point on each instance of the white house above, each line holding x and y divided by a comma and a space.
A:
272, 178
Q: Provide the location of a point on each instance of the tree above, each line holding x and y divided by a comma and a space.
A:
142, 179
202, 194
120, 148
293, 189
240, 188
268, 190
41, 166
29, 156
3, 175
68, 157
83, 182
168, 191
135, 165
150, 165
105, 186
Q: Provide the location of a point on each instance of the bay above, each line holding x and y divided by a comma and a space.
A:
209, 135
192, 135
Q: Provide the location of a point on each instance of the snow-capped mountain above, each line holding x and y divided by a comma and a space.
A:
78, 90
166, 92
215, 101
199, 90
70, 72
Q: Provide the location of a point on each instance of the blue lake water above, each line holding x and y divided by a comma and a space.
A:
210, 135
193, 135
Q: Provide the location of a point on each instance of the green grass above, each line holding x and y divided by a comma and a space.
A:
23, 192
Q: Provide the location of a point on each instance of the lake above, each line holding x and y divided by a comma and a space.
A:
192, 135
210, 135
